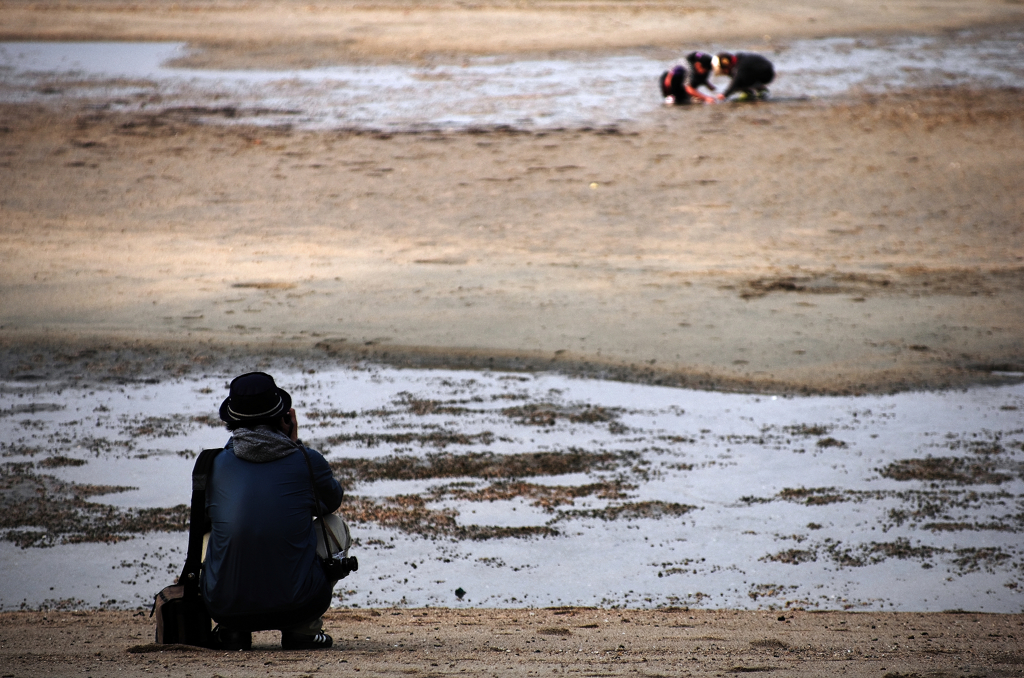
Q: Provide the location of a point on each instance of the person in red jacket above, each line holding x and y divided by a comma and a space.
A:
679, 86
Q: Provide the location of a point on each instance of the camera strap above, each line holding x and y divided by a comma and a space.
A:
316, 503
197, 520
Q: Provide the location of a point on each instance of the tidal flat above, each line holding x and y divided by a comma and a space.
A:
538, 490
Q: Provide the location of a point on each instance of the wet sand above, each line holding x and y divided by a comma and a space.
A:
867, 245
497, 483
269, 33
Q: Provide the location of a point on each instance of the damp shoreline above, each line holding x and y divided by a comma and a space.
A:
484, 92
493, 482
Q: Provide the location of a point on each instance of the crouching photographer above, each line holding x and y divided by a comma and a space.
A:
262, 570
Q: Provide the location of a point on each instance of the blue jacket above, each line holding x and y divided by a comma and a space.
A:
261, 558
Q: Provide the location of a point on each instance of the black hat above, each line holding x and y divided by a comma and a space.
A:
702, 58
252, 397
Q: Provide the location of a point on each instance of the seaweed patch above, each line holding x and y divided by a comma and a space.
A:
861, 555
40, 510
480, 465
945, 469
411, 515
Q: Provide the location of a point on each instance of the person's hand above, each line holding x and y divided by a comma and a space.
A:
294, 432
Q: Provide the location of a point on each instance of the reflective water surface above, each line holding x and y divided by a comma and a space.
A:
542, 490
483, 92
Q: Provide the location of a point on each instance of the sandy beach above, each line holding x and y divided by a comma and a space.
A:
799, 247
869, 244
865, 244
560, 641
275, 33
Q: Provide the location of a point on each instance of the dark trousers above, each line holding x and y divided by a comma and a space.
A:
300, 620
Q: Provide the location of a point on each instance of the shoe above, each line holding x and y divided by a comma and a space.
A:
226, 639
294, 641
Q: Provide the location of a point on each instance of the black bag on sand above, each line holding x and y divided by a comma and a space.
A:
181, 616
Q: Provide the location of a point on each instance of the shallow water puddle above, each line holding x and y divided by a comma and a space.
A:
480, 92
542, 490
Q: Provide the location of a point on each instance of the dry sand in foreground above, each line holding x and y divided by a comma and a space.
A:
564, 641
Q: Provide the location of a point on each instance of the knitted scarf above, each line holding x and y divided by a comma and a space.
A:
262, 444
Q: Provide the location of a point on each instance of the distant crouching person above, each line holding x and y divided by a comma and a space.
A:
679, 86
750, 73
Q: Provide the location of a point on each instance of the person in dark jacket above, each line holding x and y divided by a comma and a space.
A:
679, 86
751, 73
261, 570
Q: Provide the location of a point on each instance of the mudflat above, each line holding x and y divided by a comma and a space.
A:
869, 244
286, 33
872, 244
